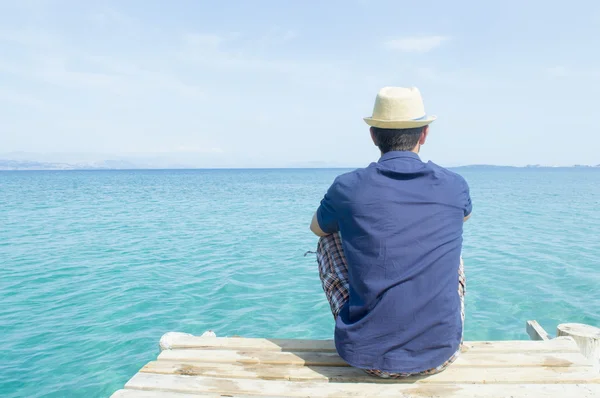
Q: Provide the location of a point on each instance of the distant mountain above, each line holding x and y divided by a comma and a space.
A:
31, 165
87, 161
115, 164
529, 166
34, 165
31, 161
484, 166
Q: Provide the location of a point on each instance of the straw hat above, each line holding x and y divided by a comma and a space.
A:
399, 108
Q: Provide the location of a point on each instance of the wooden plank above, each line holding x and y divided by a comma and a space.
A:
554, 345
469, 358
235, 343
239, 343
171, 394
199, 384
521, 359
306, 358
536, 331
456, 374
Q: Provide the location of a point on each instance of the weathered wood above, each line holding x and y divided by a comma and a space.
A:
469, 358
199, 384
520, 359
251, 357
181, 340
563, 344
536, 331
235, 343
471, 375
587, 338
239, 367
170, 394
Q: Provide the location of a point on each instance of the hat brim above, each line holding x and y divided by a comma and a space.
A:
398, 124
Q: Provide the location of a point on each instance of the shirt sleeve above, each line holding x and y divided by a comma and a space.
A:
327, 213
468, 206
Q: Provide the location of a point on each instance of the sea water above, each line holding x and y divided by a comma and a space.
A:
96, 265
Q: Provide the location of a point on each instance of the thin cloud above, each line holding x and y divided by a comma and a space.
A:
30, 38
29, 101
198, 149
204, 40
289, 35
250, 54
419, 44
557, 72
111, 17
571, 72
46, 58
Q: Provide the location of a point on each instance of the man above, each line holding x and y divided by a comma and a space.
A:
390, 249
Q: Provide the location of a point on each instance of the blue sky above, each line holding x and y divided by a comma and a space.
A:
276, 83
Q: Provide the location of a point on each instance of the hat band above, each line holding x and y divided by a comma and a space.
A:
421, 118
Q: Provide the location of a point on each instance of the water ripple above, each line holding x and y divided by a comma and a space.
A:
96, 266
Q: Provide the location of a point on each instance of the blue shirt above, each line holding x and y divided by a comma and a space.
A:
401, 222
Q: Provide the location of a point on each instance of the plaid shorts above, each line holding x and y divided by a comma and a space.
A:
333, 270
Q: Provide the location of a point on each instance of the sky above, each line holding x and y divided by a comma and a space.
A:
283, 83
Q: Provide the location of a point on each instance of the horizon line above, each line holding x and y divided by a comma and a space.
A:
490, 166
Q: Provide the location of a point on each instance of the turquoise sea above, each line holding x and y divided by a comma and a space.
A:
96, 265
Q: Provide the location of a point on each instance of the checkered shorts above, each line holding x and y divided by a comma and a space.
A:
333, 270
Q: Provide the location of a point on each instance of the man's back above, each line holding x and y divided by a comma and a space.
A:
401, 225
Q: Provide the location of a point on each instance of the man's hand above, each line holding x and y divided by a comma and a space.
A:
314, 226
467, 217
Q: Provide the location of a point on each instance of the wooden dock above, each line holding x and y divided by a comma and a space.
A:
191, 367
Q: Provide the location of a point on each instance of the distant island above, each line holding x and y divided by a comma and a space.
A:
529, 166
13, 165
34, 165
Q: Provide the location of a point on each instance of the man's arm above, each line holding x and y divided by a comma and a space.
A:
468, 206
314, 226
325, 219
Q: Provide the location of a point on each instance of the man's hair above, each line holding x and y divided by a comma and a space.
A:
396, 139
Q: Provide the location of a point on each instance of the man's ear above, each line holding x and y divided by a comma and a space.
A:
373, 136
424, 135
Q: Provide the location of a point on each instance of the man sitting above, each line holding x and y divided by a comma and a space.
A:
390, 249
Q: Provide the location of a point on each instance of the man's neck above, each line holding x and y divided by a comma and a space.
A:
416, 150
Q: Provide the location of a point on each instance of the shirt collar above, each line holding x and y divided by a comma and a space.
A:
398, 154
